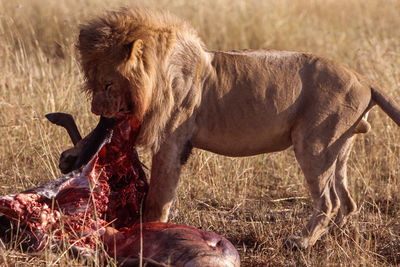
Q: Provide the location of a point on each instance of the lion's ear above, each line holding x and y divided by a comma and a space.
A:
135, 51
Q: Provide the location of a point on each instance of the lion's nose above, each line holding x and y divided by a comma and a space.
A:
96, 109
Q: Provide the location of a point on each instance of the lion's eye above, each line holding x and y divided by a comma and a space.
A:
108, 87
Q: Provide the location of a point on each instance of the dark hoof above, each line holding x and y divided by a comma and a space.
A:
294, 242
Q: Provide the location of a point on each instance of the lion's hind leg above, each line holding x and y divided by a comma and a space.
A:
347, 204
318, 150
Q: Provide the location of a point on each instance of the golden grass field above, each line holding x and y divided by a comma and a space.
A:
255, 202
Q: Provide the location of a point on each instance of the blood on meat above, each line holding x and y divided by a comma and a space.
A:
102, 202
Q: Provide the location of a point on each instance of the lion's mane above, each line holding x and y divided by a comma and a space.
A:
172, 50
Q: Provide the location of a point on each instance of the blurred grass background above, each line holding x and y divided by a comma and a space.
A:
255, 202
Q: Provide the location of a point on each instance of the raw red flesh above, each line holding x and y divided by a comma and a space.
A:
102, 202
110, 188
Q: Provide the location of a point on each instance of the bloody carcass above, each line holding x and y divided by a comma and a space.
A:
100, 201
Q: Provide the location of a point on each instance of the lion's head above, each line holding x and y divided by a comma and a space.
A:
140, 62
113, 58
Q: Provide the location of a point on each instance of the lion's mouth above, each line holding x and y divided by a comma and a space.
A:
122, 113
125, 109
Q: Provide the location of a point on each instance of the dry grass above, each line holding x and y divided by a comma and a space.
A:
255, 202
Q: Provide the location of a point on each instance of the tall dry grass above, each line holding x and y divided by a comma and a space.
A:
255, 202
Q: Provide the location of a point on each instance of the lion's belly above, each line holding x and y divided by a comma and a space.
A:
249, 107
239, 129
239, 142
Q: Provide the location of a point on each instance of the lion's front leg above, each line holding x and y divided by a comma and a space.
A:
166, 168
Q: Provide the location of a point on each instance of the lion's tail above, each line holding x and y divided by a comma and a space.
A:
391, 108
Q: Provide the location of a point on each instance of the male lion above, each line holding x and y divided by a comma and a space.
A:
154, 67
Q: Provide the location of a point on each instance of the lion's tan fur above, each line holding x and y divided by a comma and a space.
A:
235, 103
